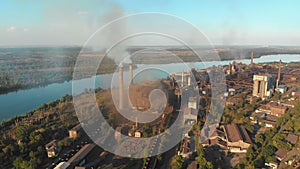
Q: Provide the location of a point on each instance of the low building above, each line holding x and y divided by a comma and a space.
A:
74, 132
137, 134
296, 93
277, 109
292, 138
257, 116
281, 89
52, 149
217, 139
269, 123
79, 158
238, 140
232, 101
231, 91
281, 154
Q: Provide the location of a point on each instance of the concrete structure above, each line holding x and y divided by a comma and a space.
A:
256, 117
62, 165
52, 149
281, 89
278, 109
121, 88
238, 140
193, 103
279, 74
79, 157
232, 138
252, 57
217, 139
130, 74
137, 134
262, 86
74, 132
182, 78
269, 123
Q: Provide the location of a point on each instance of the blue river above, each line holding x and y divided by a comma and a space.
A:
20, 102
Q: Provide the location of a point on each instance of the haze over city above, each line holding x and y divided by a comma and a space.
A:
69, 22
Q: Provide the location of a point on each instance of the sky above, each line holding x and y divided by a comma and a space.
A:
72, 22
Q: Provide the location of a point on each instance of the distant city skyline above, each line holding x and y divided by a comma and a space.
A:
30, 23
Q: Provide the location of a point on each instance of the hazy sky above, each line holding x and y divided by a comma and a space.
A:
71, 22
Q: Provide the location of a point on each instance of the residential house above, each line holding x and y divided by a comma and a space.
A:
74, 132
52, 148
281, 154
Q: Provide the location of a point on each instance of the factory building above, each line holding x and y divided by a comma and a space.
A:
262, 86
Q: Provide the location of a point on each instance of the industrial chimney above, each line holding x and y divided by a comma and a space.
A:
130, 74
252, 56
121, 88
189, 80
182, 74
279, 74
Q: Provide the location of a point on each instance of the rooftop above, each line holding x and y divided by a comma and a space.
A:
51, 144
281, 153
81, 153
76, 128
292, 138
236, 133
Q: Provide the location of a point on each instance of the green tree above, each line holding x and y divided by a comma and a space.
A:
20, 163
21, 133
201, 160
178, 162
269, 151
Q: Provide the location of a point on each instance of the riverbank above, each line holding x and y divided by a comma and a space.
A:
27, 68
16, 103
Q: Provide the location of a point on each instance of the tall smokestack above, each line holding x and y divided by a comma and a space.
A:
136, 122
121, 88
279, 73
252, 56
130, 74
182, 79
